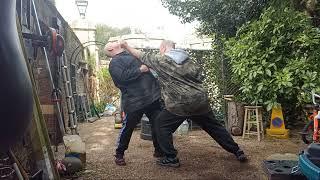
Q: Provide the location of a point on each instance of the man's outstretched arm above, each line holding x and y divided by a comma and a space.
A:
135, 52
149, 59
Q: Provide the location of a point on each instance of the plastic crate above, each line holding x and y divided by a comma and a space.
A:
282, 170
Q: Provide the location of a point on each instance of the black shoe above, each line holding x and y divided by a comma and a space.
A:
241, 156
169, 162
158, 154
120, 161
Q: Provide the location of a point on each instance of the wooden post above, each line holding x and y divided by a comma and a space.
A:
258, 123
245, 123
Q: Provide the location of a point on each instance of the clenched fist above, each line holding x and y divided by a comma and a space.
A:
144, 68
123, 43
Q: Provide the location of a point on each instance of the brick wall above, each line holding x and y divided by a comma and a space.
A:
47, 13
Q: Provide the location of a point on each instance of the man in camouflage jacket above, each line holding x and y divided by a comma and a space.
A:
185, 97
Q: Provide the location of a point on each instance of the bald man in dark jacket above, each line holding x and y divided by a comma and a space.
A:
140, 95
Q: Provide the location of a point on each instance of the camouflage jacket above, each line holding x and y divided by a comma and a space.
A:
180, 80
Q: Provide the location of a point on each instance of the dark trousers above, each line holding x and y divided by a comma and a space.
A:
130, 122
167, 124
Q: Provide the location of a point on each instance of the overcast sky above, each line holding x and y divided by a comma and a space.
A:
146, 15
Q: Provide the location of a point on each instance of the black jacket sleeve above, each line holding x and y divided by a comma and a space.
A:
122, 74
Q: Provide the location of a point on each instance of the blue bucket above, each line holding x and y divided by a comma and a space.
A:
310, 170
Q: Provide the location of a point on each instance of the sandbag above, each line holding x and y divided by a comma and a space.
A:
75, 147
72, 165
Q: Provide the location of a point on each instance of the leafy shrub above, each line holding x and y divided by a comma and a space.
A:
276, 58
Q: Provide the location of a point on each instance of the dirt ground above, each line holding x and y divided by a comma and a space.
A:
200, 156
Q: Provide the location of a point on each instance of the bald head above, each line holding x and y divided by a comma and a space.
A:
166, 45
113, 48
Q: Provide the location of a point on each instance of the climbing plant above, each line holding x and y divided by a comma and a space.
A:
107, 90
91, 60
213, 78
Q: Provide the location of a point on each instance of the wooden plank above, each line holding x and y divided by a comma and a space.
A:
47, 109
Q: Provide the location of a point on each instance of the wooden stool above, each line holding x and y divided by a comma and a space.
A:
250, 121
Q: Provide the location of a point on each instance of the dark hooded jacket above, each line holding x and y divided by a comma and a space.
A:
138, 89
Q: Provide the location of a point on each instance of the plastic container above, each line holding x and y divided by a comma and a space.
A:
109, 110
310, 170
75, 147
146, 133
183, 129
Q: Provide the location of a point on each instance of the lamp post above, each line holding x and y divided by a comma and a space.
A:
82, 7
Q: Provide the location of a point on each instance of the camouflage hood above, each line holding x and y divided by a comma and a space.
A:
177, 55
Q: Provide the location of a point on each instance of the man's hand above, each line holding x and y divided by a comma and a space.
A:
136, 53
144, 68
123, 43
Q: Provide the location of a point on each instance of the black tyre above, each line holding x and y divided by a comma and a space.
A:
307, 133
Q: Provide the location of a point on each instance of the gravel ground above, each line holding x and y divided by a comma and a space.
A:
200, 156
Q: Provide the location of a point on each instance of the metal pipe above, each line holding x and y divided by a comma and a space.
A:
19, 167
61, 124
83, 49
17, 170
98, 42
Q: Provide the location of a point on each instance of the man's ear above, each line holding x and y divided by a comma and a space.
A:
163, 49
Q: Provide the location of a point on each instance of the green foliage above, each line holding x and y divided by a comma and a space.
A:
92, 62
216, 16
276, 58
311, 7
212, 81
107, 90
99, 107
104, 32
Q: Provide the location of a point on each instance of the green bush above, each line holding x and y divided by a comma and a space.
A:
107, 90
276, 58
